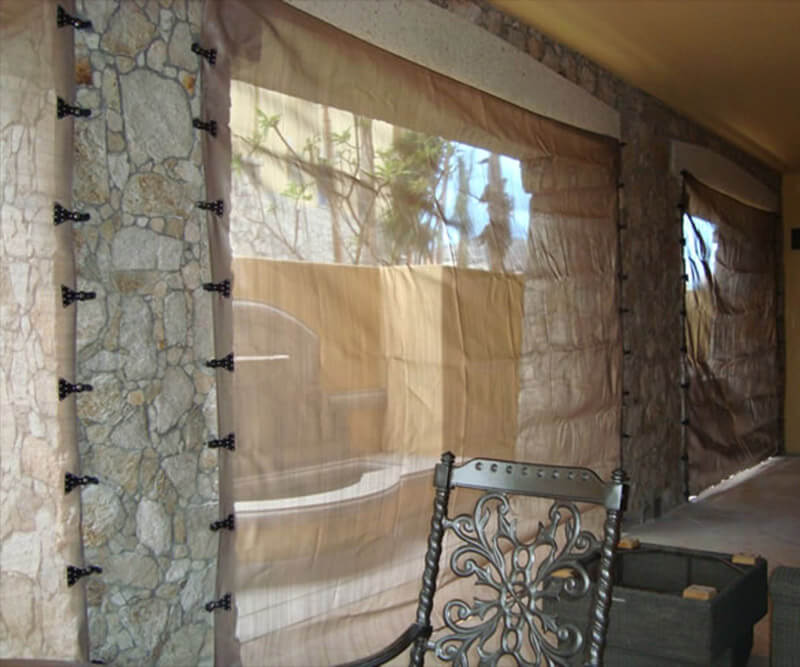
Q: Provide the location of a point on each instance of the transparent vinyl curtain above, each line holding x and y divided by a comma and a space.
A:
731, 332
39, 524
417, 267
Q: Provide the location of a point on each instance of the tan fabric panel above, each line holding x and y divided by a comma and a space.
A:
281, 48
217, 158
40, 524
356, 369
733, 402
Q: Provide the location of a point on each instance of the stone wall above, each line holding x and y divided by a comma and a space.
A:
651, 255
143, 342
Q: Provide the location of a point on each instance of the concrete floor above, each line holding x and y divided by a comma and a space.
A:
756, 511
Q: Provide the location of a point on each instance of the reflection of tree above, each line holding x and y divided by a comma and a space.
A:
497, 234
385, 205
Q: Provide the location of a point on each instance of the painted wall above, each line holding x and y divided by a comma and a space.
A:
791, 307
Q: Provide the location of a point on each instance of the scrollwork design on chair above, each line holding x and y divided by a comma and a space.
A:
515, 622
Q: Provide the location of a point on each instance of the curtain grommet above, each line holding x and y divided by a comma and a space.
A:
72, 481
70, 296
207, 126
223, 603
225, 362
63, 110
209, 54
61, 214
228, 442
66, 388
63, 19
223, 287
76, 573
229, 523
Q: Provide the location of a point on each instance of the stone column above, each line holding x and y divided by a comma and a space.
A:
144, 341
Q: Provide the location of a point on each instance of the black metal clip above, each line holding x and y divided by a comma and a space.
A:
228, 442
623, 276
223, 603
223, 287
75, 573
225, 362
66, 388
209, 54
626, 352
70, 296
684, 385
210, 126
217, 206
623, 311
685, 277
684, 422
61, 214
62, 19
228, 522
65, 109
71, 481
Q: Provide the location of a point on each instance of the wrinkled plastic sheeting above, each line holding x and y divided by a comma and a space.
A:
734, 392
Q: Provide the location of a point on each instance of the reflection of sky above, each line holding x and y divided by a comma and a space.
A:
701, 246
478, 158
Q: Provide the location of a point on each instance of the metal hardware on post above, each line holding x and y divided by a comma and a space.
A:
65, 109
228, 522
223, 603
66, 388
228, 442
76, 573
71, 481
217, 206
225, 362
223, 287
208, 126
60, 214
209, 54
64, 19
70, 296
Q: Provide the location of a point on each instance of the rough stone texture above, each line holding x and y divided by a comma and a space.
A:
653, 291
143, 430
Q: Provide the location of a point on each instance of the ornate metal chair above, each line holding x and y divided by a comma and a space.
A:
520, 618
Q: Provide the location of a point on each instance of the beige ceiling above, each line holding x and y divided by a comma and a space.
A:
731, 65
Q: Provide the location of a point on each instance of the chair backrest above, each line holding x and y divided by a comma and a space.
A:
520, 583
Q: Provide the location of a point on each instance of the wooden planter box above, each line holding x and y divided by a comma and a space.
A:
652, 625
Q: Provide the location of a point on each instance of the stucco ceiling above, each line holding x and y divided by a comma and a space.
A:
731, 65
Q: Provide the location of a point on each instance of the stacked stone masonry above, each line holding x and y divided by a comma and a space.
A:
144, 341
653, 291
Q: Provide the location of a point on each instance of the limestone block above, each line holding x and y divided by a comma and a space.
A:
129, 31
155, 131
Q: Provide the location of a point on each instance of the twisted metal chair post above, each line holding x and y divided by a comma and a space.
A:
441, 481
602, 596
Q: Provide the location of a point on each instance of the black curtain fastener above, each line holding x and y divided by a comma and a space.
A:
66, 388
64, 19
71, 481
627, 352
65, 109
228, 442
223, 287
623, 276
225, 362
70, 296
75, 573
684, 422
623, 311
217, 206
223, 603
228, 522
209, 54
61, 214
684, 385
209, 126
685, 277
